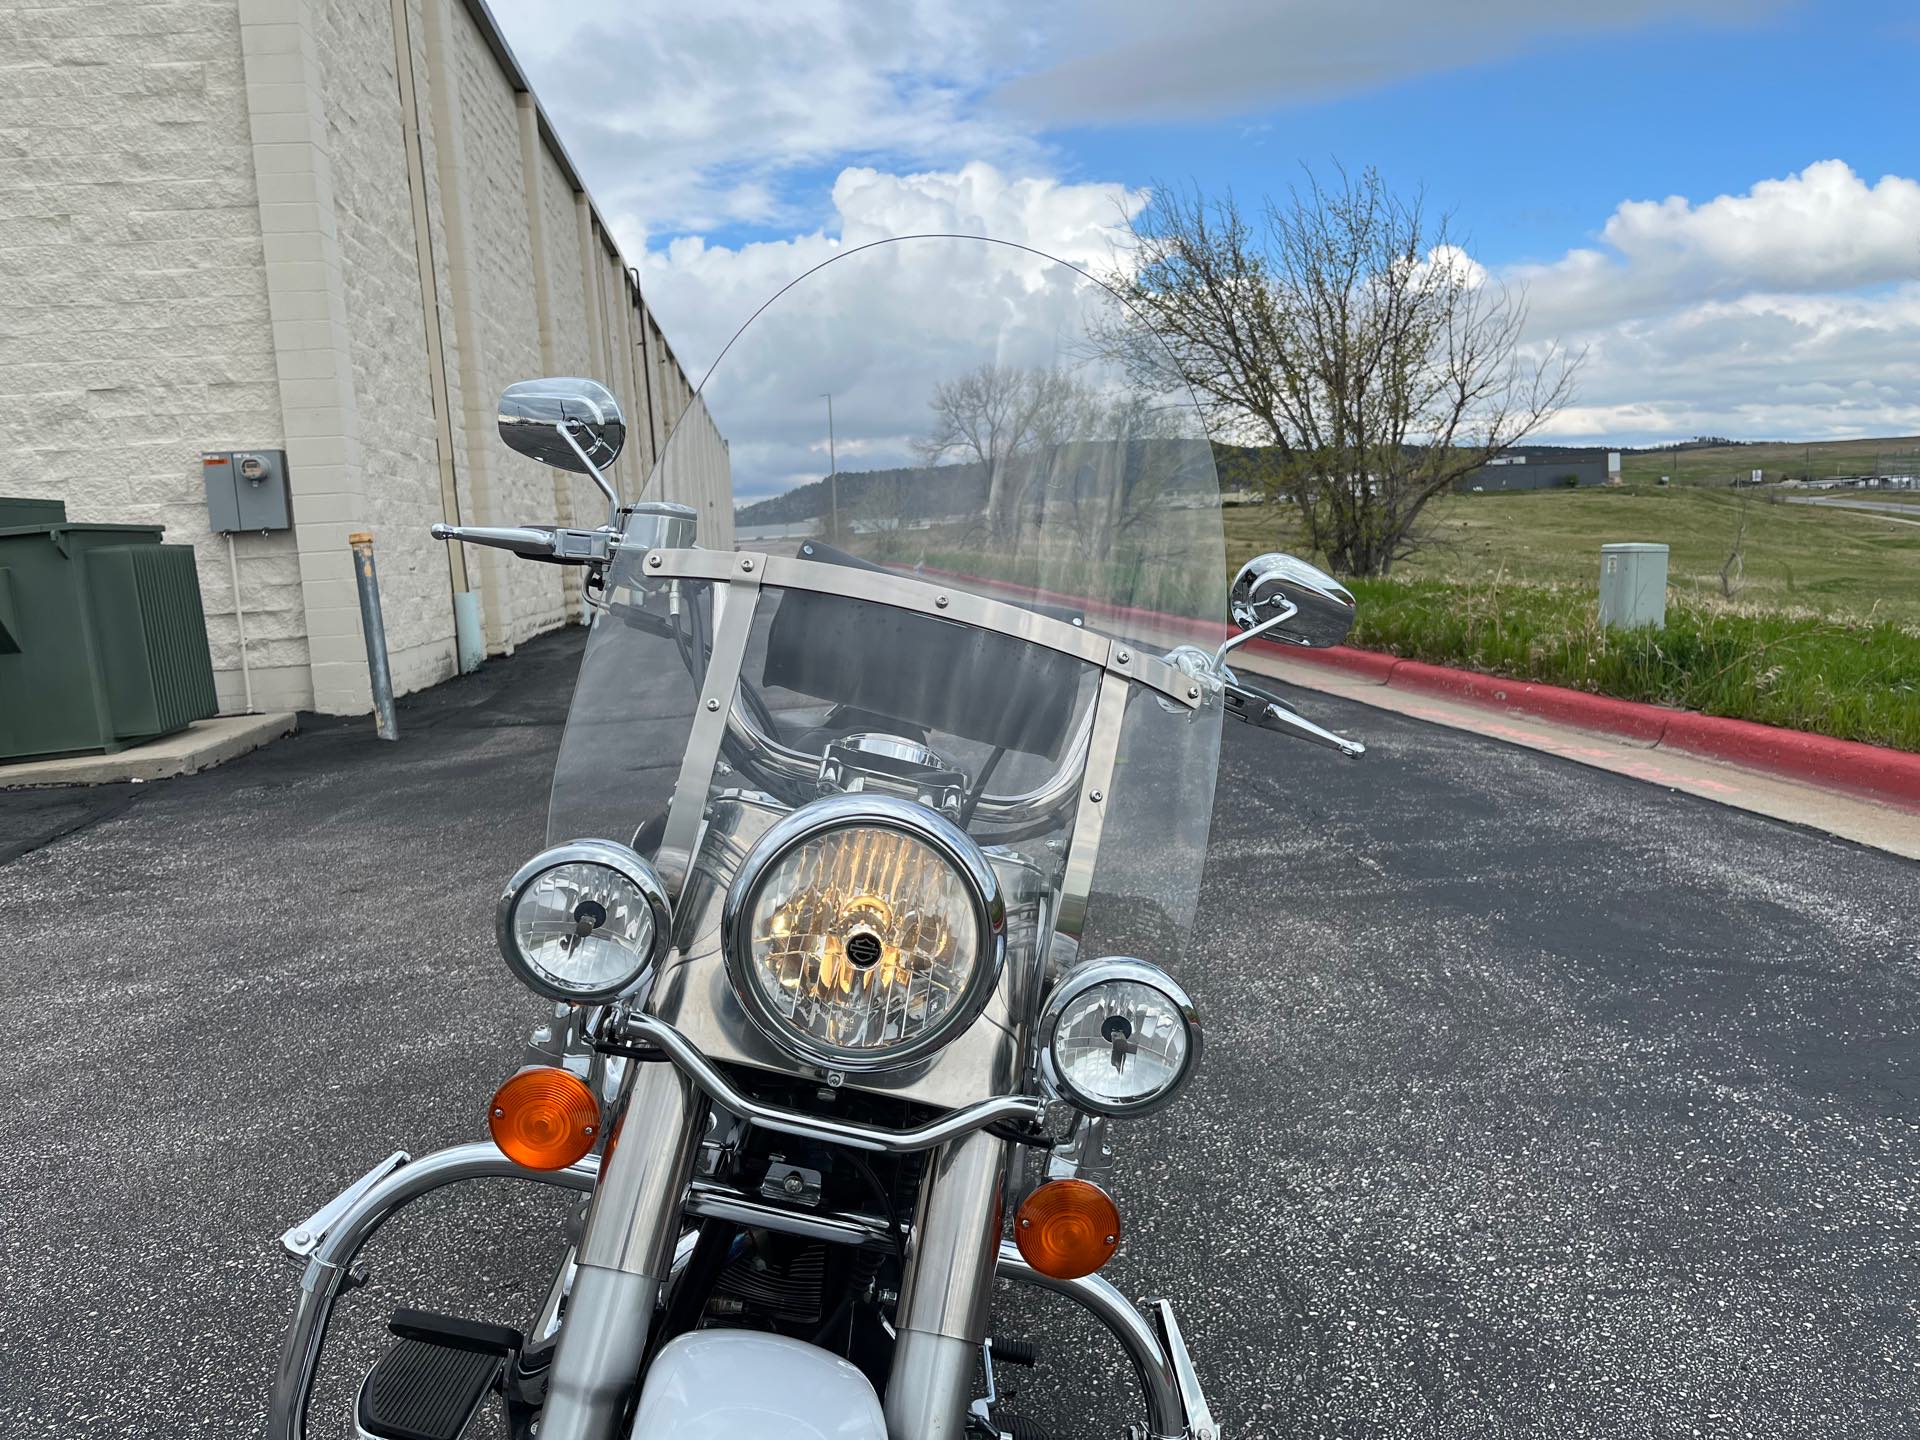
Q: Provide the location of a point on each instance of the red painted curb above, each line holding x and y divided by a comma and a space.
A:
1875, 771
1879, 773
1371, 663
1866, 769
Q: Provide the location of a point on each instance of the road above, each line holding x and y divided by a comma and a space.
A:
1879, 509
1537, 1101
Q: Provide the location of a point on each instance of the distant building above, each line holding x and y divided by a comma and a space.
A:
1541, 467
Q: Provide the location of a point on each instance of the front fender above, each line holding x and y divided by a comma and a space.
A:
744, 1385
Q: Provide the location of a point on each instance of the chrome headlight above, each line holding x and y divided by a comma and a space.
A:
863, 932
585, 921
1118, 1037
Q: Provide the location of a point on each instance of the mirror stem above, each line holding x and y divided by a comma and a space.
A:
1286, 612
565, 432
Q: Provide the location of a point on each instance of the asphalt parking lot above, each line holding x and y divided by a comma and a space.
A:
1537, 1101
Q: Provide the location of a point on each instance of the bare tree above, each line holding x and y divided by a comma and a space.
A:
1349, 335
1005, 419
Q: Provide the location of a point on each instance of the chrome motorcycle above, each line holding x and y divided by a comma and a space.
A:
876, 839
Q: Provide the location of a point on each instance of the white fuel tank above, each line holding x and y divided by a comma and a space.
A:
741, 1385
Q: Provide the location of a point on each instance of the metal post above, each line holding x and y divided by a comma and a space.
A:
833, 474
375, 630
240, 622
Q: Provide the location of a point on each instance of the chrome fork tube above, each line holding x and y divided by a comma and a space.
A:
947, 1288
625, 1255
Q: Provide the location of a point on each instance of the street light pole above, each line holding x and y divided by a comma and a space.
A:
833, 473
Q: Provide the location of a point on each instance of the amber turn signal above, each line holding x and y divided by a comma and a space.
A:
544, 1118
1067, 1228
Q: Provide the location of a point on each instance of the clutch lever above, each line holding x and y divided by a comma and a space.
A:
554, 544
1256, 707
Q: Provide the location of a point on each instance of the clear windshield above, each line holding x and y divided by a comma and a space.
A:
985, 443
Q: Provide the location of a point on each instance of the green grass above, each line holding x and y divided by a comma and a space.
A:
1857, 682
1719, 464
1804, 560
1821, 632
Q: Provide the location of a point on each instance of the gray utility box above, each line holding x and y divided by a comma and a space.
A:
1633, 586
246, 490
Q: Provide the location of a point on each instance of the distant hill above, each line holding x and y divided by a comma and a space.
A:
917, 493
932, 492
1698, 463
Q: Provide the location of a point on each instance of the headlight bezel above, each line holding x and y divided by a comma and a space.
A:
839, 812
609, 855
1089, 976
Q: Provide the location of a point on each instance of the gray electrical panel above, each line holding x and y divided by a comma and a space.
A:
1633, 586
246, 490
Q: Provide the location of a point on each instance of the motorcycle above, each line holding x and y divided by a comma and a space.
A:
876, 839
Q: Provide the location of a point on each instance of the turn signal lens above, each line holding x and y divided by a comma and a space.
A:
1067, 1228
544, 1118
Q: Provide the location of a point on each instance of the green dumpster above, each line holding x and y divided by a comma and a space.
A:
103, 642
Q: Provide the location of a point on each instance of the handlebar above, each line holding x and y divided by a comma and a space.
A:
555, 544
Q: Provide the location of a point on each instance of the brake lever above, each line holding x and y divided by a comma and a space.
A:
1256, 707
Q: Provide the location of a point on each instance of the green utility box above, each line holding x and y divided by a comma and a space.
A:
103, 643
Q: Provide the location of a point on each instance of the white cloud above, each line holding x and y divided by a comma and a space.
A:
1127, 60
877, 333
703, 292
1822, 230
1778, 313
1788, 311
1759, 367
686, 118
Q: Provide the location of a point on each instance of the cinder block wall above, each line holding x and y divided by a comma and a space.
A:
210, 239
133, 301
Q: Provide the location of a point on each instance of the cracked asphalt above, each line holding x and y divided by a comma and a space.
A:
1537, 1101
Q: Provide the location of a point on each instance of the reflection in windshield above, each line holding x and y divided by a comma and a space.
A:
982, 445
1029, 476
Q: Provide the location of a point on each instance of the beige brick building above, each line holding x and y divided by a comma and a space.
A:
334, 227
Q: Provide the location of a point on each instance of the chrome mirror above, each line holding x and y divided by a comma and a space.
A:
1284, 598
568, 423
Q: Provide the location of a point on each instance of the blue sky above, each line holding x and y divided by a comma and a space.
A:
1778, 296
1534, 150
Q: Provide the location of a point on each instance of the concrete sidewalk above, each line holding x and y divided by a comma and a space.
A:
1830, 811
200, 746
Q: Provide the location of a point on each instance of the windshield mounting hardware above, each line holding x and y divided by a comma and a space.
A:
893, 765
906, 592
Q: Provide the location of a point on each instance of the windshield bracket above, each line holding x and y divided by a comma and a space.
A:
909, 592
